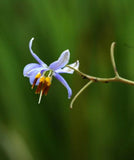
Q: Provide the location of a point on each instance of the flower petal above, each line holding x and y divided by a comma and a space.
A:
34, 55
62, 61
62, 80
29, 68
75, 65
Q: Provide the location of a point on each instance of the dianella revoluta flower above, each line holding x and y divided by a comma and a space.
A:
40, 74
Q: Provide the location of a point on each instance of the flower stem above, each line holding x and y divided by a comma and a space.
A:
112, 59
116, 78
78, 93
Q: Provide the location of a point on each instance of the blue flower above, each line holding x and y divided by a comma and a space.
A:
41, 75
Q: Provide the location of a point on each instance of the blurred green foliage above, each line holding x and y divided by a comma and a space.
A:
101, 125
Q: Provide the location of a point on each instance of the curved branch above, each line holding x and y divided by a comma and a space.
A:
78, 93
92, 79
112, 59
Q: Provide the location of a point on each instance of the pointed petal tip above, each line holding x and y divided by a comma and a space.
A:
32, 39
30, 42
67, 50
34, 55
63, 81
69, 97
78, 63
69, 93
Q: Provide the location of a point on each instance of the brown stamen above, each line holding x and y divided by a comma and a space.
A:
34, 83
35, 80
44, 87
38, 88
46, 90
42, 81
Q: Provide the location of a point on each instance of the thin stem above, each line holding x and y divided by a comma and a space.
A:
92, 79
112, 59
114, 79
124, 80
80, 91
103, 80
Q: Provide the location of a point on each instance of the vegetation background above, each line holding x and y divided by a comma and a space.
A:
101, 124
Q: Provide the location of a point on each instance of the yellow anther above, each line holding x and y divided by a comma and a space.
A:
48, 81
42, 79
38, 75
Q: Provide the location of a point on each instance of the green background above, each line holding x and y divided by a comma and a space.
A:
101, 124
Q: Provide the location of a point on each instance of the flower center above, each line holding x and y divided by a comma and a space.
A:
48, 73
44, 83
